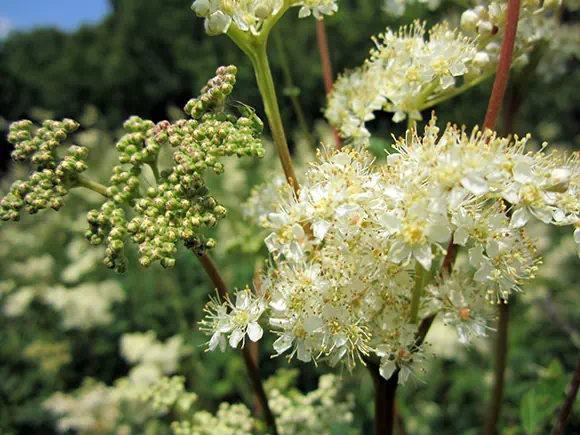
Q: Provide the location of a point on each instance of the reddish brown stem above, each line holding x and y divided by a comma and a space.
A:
385, 390
252, 368
568, 402
493, 110
326, 67
449, 258
501, 349
505, 61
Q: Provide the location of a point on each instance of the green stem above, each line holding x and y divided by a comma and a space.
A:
92, 185
268, 92
421, 277
255, 49
155, 170
456, 91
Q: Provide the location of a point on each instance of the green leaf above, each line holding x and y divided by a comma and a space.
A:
555, 370
529, 414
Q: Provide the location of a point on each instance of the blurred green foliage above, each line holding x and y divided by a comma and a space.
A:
148, 57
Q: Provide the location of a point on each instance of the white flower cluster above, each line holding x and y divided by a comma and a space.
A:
145, 350
397, 8
87, 411
250, 15
259, 204
563, 46
320, 411
86, 305
96, 408
359, 241
82, 259
230, 419
405, 74
315, 412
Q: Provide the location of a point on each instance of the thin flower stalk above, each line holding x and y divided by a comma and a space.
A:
326, 67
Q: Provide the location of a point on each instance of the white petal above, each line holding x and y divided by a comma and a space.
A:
463, 334
278, 219
236, 337
439, 232
476, 255
312, 323
577, 235
298, 231
511, 194
399, 252
320, 229
545, 215
387, 369
242, 300
522, 172
460, 236
484, 272
404, 375
475, 184
342, 159
303, 12
391, 223
520, 217
424, 256
272, 242
214, 341
294, 252
283, 343
255, 331
303, 354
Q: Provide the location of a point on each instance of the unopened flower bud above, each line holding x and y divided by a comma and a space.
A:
481, 59
469, 21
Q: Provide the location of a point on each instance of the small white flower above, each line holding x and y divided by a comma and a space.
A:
236, 320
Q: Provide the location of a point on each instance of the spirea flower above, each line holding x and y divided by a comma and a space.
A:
463, 303
234, 320
406, 72
250, 15
397, 8
353, 246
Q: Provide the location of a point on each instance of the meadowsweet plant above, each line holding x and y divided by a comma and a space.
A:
361, 251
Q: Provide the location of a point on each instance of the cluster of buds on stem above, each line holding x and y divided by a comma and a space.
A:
178, 204
52, 176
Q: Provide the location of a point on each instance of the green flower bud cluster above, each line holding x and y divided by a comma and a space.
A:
109, 223
214, 93
173, 211
52, 176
